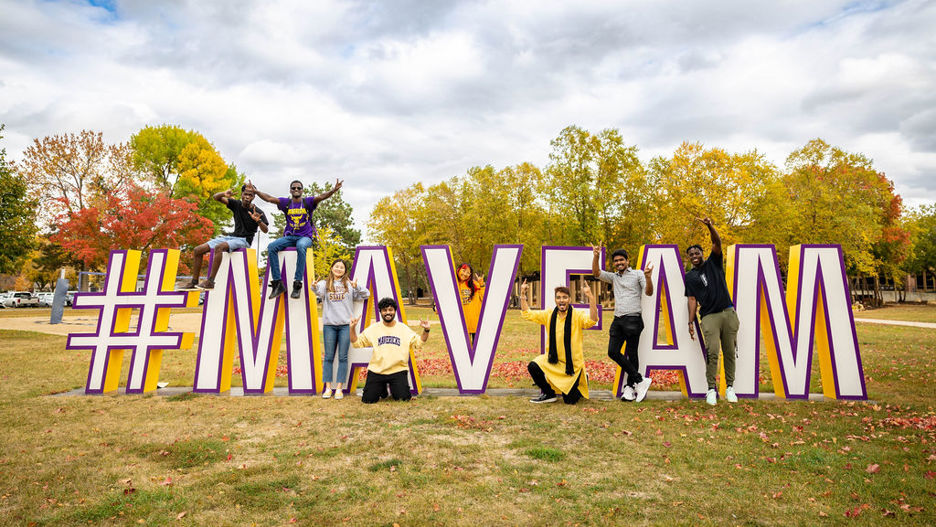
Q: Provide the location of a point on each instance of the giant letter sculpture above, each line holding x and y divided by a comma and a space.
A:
256, 325
472, 364
817, 311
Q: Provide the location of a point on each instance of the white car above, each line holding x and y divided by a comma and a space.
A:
45, 299
3, 299
22, 299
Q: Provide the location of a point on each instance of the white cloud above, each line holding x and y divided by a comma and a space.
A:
383, 94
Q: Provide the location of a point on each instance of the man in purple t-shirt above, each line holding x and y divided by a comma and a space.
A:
298, 233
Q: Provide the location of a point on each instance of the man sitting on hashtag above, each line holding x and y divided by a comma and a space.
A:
299, 233
247, 218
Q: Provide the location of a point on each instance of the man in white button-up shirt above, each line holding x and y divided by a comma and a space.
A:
627, 285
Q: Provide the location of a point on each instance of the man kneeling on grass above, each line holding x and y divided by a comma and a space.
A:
563, 367
389, 363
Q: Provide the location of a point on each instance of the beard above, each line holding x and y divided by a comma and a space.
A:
388, 317
563, 309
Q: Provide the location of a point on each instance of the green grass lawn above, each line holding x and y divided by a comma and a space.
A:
911, 312
219, 460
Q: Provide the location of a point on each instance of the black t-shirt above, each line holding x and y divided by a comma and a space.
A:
244, 225
707, 284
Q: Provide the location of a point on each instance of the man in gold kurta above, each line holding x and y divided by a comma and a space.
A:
562, 369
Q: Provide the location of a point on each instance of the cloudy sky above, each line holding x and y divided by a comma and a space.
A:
385, 93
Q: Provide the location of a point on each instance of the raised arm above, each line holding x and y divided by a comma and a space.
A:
328, 193
223, 196
424, 324
263, 195
596, 252
524, 288
716, 239
648, 276
592, 303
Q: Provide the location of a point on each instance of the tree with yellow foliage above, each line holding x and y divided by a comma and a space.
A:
187, 166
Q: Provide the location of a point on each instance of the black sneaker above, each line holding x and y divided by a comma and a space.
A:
278, 289
297, 289
543, 398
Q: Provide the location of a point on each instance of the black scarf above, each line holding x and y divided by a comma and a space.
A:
566, 339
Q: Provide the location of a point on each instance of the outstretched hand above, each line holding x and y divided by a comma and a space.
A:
353, 283
706, 221
588, 293
254, 214
338, 183
648, 271
424, 324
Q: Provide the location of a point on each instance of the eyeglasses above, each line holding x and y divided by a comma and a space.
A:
295, 188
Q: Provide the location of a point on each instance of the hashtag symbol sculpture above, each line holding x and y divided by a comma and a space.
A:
113, 336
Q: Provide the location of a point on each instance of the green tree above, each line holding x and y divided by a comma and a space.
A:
186, 166
596, 189
697, 182
922, 227
400, 222
328, 248
67, 173
839, 198
336, 214
17, 217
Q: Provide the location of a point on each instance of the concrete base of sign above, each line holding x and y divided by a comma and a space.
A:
596, 395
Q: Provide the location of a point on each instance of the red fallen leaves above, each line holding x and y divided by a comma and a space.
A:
919, 423
855, 512
873, 468
281, 371
467, 422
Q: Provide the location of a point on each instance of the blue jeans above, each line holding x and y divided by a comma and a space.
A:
301, 243
336, 337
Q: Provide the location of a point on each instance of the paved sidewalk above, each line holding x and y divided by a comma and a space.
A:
928, 325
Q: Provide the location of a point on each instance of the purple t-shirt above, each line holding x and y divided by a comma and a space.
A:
298, 216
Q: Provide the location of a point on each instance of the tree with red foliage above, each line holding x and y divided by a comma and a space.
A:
131, 218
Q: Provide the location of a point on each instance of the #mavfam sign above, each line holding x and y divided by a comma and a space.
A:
812, 316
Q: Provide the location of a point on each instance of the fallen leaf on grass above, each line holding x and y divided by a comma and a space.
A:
873, 468
180, 515
167, 482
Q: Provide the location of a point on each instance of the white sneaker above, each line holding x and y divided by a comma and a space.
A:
711, 397
642, 388
327, 393
629, 394
730, 395
339, 394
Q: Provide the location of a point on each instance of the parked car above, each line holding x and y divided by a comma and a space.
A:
45, 299
3, 299
22, 299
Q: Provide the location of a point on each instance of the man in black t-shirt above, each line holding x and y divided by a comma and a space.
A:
706, 289
247, 218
